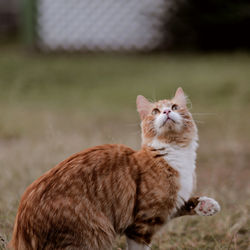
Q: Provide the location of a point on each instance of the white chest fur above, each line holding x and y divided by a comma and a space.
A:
183, 160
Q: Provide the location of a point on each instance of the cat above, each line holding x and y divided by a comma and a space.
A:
109, 190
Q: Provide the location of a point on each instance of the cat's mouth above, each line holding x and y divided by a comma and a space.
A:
168, 120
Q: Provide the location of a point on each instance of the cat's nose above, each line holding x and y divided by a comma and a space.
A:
166, 111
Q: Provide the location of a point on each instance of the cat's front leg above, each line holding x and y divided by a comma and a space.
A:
207, 206
133, 245
203, 206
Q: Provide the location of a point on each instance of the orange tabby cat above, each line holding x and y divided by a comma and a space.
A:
89, 198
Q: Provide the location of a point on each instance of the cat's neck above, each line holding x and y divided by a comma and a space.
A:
181, 158
168, 147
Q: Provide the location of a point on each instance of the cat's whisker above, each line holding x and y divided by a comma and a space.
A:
201, 122
197, 121
204, 114
189, 104
136, 133
132, 124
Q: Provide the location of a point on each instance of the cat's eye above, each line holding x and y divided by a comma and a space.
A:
155, 111
174, 107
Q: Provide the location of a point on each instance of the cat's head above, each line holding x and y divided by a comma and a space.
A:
166, 121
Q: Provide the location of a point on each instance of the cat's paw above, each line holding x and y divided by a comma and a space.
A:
207, 206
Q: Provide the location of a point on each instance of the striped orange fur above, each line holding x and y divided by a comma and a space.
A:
89, 198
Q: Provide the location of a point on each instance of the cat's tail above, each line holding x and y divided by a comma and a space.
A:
17, 242
13, 244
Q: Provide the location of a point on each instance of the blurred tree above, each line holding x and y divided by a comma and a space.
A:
9, 19
207, 25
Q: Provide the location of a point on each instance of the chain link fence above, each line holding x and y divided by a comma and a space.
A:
99, 25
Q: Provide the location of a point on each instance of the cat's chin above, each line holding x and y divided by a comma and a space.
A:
169, 124
168, 128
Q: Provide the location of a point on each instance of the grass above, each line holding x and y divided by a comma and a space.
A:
54, 105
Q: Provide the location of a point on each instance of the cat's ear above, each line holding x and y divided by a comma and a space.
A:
143, 106
180, 97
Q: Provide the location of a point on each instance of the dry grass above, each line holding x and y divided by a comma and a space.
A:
44, 119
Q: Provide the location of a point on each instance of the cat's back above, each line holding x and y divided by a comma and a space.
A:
88, 172
86, 166
94, 183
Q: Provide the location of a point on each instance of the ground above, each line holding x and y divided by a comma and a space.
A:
57, 104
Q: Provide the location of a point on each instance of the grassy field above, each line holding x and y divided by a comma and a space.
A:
54, 105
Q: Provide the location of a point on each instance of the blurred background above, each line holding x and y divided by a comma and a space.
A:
70, 72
